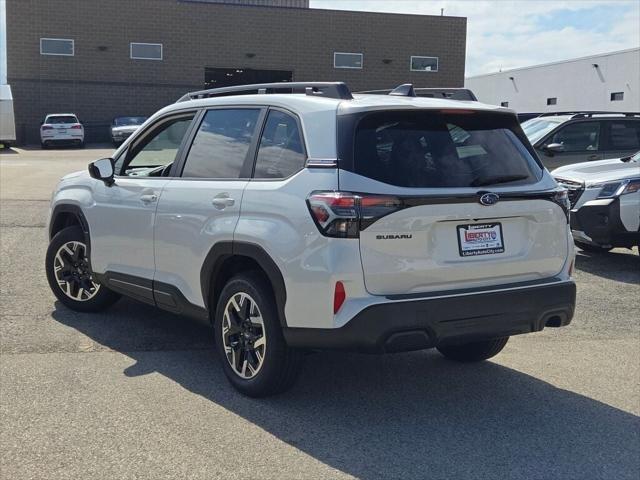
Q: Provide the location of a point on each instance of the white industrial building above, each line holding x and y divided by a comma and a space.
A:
606, 82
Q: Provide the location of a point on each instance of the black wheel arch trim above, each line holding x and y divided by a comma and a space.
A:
221, 251
76, 211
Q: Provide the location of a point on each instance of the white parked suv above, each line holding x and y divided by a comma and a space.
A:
605, 202
61, 129
299, 216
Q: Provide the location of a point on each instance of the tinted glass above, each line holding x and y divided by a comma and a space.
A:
159, 148
578, 137
280, 153
56, 46
66, 119
536, 128
148, 51
122, 121
221, 144
624, 135
424, 64
423, 149
347, 60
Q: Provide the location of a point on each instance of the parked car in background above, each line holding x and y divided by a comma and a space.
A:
318, 219
123, 127
565, 138
7, 119
605, 202
61, 129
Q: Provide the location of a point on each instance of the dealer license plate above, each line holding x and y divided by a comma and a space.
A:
480, 239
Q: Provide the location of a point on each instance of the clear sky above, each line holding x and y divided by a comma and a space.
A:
505, 34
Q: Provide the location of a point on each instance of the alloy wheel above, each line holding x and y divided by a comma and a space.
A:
243, 335
72, 272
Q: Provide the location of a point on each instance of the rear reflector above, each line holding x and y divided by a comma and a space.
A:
339, 296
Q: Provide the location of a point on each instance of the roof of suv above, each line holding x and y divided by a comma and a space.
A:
303, 103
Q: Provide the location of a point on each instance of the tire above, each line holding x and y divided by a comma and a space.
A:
587, 247
44, 146
93, 297
260, 338
474, 351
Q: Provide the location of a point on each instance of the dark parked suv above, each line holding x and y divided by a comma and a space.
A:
573, 137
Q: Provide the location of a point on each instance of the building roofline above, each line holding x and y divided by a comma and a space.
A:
558, 62
314, 9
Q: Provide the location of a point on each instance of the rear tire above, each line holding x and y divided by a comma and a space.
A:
252, 350
69, 275
474, 351
588, 247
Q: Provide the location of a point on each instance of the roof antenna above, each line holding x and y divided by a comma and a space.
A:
404, 90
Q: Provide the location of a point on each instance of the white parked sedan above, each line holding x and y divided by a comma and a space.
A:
61, 129
605, 202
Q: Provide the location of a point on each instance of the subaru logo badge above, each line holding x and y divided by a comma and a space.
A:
489, 199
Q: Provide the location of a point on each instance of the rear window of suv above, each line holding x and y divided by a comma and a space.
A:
61, 119
431, 149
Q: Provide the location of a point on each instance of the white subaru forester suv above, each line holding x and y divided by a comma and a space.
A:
298, 216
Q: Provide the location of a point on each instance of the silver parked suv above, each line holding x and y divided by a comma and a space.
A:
299, 216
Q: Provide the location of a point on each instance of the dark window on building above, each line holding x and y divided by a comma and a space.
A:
617, 96
281, 153
423, 150
347, 60
552, 101
623, 135
158, 148
424, 64
227, 77
504, 104
220, 147
145, 51
57, 46
579, 137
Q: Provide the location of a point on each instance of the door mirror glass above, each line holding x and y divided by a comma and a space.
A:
102, 169
554, 148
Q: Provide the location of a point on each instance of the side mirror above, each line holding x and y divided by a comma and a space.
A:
104, 170
553, 148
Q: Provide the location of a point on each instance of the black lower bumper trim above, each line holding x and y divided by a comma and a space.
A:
602, 223
426, 323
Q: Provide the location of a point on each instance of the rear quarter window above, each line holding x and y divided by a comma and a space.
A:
431, 149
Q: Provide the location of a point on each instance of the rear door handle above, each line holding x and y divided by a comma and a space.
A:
222, 201
148, 198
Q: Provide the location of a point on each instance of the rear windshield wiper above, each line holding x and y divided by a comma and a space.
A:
482, 181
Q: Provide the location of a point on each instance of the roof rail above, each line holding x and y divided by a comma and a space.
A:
448, 93
588, 113
321, 89
404, 90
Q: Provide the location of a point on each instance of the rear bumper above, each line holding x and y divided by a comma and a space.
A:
417, 324
599, 222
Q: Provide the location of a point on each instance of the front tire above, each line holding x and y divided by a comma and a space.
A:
588, 247
70, 276
474, 351
252, 350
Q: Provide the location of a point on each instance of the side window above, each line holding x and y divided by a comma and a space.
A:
220, 147
623, 135
579, 137
158, 149
280, 153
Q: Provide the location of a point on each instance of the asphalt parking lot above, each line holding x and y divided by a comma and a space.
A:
138, 393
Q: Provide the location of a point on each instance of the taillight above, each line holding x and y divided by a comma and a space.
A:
561, 197
46, 127
344, 214
77, 126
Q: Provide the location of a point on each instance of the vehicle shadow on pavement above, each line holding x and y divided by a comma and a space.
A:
619, 265
413, 415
